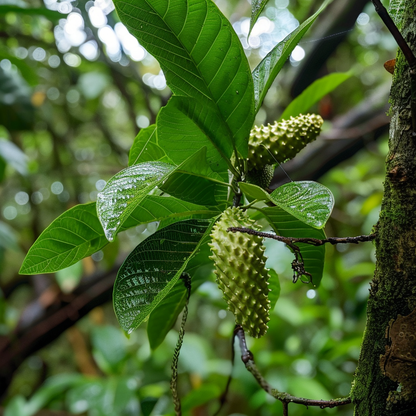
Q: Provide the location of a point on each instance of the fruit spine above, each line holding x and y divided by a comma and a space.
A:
281, 141
240, 266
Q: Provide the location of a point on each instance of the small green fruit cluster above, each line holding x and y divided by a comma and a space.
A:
240, 266
281, 141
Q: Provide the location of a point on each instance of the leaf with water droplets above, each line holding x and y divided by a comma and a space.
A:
152, 269
257, 6
267, 70
287, 225
124, 192
164, 316
308, 201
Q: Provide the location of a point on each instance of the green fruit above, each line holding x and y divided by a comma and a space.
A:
240, 266
281, 141
261, 177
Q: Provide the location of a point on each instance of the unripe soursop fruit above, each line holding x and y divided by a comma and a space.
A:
261, 177
281, 141
240, 266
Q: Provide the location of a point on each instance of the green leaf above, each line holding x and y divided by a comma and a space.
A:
274, 286
168, 210
13, 156
125, 191
257, 6
75, 234
286, 225
152, 269
308, 201
199, 53
254, 191
33, 11
69, 277
8, 237
186, 124
318, 89
200, 396
164, 316
194, 181
267, 70
146, 148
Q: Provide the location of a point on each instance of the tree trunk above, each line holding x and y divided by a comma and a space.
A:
385, 380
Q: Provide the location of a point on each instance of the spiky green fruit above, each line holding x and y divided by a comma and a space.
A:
281, 141
240, 267
261, 177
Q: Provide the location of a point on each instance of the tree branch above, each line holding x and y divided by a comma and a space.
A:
291, 241
285, 398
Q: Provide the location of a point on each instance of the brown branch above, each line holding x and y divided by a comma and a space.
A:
291, 241
285, 398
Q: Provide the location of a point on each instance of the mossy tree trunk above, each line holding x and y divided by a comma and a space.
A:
385, 380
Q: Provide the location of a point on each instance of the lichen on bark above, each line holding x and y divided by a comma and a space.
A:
393, 288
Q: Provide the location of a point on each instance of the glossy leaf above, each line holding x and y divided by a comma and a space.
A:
186, 124
274, 286
199, 53
254, 191
317, 90
164, 316
153, 268
308, 201
125, 191
76, 234
257, 6
286, 225
146, 148
267, 70
167, 210
194, 181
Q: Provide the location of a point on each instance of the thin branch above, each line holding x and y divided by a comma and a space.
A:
388, 21
174, 380
285, 398
290, 241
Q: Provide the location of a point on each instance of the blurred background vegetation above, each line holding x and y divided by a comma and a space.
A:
75, 89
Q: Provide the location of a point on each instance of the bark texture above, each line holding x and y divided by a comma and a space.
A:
385, 380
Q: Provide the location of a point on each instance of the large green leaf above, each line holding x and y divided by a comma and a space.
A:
153, 268
146, 148
199, 53
124, 192
167, 210
267, 70
75, 234
257, 6
186, 124
164, 316
195, 182
286, 225
317, 90
308, 201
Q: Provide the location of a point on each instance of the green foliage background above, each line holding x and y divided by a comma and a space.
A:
79, 119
